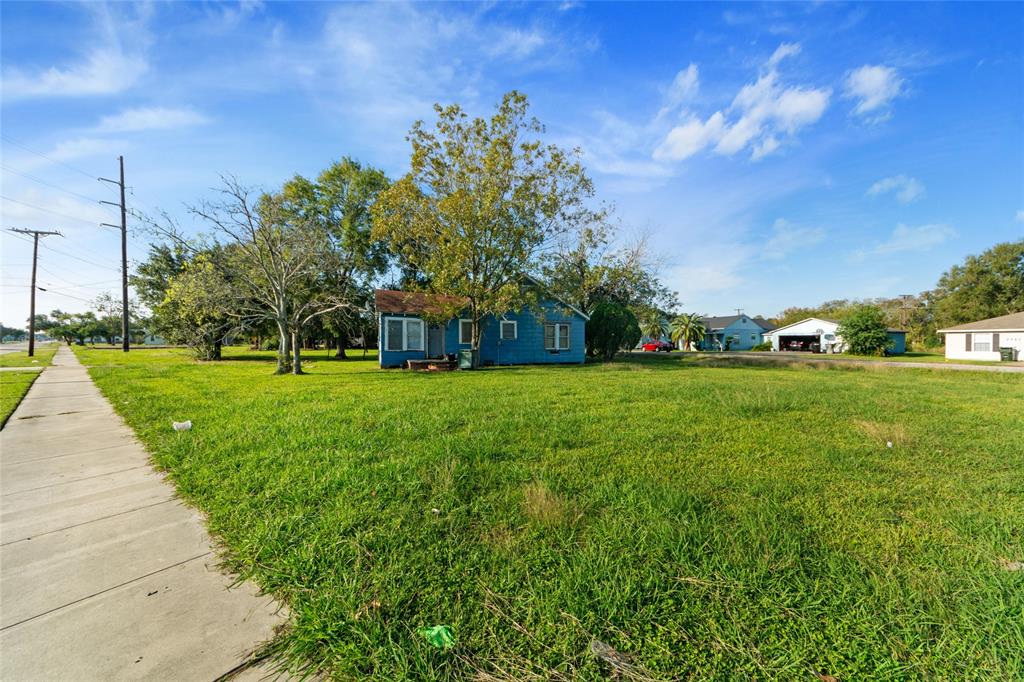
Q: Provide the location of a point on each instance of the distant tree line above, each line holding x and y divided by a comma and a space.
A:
983, 286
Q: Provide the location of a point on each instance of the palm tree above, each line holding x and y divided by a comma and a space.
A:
687, 328
653, 325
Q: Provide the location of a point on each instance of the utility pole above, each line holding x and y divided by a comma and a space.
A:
124, 254
739, 311
36, 234
905, 307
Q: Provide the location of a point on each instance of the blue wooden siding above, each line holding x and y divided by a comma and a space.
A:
899, 342
526, 348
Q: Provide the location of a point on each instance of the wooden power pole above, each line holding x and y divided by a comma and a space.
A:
124, 254
36, 234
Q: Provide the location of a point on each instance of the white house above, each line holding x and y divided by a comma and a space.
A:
982, 340
816, 335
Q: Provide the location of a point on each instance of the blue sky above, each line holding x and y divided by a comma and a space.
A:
773, 155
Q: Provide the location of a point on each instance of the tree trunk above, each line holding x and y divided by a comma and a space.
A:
217, 345
296, 347
475, 346
284, 361
342, 345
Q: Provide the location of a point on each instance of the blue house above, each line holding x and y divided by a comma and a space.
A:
738, 332
551, 332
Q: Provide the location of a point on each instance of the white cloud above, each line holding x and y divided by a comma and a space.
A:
1020, 215
517, 43
787, 238
905, 239
781, 52
684, 86
150, 118
687, 139
762, 115
906, 189
874, 87
104, 71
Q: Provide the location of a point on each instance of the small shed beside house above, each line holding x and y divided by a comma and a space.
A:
553, 332
982, 340
817, 335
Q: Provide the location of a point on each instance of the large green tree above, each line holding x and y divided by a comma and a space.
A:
987, 285
612, 327
281, 263
863, 330
338, 202
482, 202
198, 308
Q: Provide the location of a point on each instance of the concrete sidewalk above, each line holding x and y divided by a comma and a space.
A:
104, 575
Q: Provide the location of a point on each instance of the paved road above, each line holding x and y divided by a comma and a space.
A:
104, 575
1011, 367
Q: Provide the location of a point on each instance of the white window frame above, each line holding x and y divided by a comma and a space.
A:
462, 340
501, 330
405, 335
558, 337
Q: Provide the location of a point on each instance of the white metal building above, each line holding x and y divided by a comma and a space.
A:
816, 335
982, 340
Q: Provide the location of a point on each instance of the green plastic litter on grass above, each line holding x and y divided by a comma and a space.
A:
439, 635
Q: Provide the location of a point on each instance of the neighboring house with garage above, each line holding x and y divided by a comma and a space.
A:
547, 333
738, 332
817, 335
982, 340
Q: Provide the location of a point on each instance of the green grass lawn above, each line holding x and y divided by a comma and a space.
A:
44, 354
707, 522
13, 387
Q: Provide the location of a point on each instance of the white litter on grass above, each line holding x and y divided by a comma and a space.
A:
182, 426
436, 510
35, 362
888, 443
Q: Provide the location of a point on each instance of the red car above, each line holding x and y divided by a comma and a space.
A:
655, 346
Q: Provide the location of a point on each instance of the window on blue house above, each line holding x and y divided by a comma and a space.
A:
465, 332
509, 330
394, 337
414, 335
403, 333
556, 337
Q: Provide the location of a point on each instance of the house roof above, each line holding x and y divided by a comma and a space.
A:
425, 303
1014, 322
713, 323
414, 302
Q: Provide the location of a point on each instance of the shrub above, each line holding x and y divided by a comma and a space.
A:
612, 327
761, 347
864, 331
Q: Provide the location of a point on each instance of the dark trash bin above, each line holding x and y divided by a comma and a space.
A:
1006, 354
468, 358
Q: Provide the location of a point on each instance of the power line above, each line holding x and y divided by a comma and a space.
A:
44, 156
48, 184
59, 293
71, 255
47, 210
84, 260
